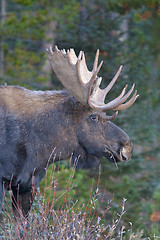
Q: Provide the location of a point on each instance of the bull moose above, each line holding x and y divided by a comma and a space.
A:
70, 122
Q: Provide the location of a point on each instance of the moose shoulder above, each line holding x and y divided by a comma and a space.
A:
39, 126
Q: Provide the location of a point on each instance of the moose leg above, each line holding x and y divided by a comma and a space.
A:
22, 202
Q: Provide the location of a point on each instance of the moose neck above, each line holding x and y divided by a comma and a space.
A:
54, 125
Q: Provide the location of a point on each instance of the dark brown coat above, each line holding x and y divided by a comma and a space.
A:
37, 127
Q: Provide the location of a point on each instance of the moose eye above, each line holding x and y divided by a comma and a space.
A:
94, 118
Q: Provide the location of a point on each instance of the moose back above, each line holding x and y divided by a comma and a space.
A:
39, 126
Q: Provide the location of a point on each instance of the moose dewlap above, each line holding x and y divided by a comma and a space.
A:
39, 126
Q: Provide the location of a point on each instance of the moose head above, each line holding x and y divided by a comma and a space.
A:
37, 127
97, 136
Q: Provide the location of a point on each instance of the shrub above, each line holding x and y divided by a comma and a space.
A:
71, 220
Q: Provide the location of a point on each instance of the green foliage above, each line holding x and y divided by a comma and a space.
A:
125, 5
23, 34
156, 196
78, 190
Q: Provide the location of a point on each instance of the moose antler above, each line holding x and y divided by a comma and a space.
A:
84, 84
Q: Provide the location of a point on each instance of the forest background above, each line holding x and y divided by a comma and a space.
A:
126, 32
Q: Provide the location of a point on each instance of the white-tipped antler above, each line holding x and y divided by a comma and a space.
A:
83, 84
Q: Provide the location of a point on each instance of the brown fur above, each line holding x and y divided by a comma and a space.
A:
21, 101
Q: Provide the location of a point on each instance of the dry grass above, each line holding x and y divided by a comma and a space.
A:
72, 220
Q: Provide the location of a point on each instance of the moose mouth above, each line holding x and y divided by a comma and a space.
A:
114, 157
111, 157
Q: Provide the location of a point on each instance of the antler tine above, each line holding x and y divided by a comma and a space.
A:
56, 48
93, 79
100, 94
80, 55
109, 118
118, 101
96, 61
120, 97
110, 85
72, 56
84, 75
97, 101
114, 103
127, 104
50, 50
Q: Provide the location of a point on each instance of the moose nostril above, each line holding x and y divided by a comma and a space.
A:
124, 158
125, 154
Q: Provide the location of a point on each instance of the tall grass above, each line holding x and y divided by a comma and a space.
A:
71, 220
